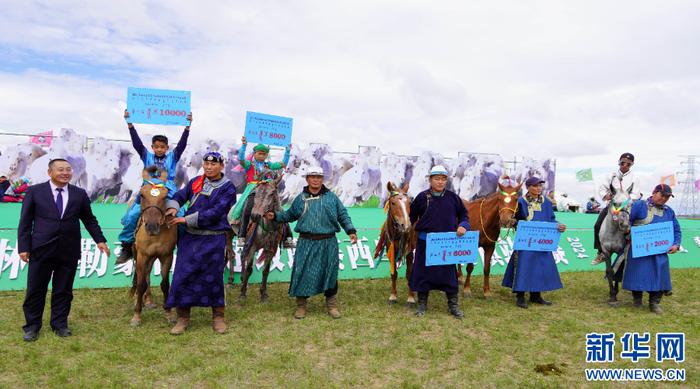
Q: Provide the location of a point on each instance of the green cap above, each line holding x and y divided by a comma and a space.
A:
261, 147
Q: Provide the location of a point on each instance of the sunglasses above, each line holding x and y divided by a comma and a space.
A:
626, 163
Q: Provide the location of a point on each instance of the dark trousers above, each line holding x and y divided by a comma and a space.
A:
596, 227
38, 277
245, 216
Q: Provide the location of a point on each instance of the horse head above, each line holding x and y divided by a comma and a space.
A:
508, 194
153, 197
619, 208
266, 196
398, 206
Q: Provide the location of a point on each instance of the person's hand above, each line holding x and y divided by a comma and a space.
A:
674, 249
171, 212
353, 238
289, 146
607, 197
189, 117
103, 247
24, 256
243, 140
126, 114
270, 216
561, 227
177, 220
461, 231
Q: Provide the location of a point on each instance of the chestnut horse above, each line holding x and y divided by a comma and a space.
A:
397, 237
154, 240
487, 215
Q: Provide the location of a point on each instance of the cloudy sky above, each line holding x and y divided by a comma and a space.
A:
581, 81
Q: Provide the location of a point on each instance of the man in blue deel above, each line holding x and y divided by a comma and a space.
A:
651, 273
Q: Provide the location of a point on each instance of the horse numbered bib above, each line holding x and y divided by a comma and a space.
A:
155, 192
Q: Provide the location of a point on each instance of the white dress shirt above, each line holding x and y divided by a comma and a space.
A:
621, 181
64, 194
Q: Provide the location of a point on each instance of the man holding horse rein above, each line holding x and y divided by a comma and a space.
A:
198, 279
320, 215
436, 210
622, 180
164, 160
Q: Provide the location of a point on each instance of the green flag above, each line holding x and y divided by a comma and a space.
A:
584, 175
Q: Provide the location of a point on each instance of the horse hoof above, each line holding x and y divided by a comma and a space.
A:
411, 304
264, 299
467, 294
151, 306
487, 294
392, 302
242, 299
135, 323
613, 303
230, 285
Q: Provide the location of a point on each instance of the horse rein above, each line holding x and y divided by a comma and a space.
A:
387, 208
156, 187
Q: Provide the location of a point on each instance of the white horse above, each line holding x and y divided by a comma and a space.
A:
394, 169
15, 160
363, 180
421, 169
69, 146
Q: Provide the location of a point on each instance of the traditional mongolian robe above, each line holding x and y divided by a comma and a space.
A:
650, 273
198, 279
442, 212
533, 271
316, 259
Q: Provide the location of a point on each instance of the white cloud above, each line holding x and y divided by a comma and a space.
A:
581, 81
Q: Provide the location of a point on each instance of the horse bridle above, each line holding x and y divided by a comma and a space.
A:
508, 199
393, 194
162, 213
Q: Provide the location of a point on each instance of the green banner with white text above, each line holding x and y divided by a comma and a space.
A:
97, 271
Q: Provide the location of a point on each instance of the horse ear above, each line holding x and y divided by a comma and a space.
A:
145, 174
404, 189
500, 187
517, 188
164, 175
390, 186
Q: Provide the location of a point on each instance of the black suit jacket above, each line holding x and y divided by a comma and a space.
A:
44, 234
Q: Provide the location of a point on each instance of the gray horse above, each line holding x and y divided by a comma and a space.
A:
613, 239
262, 234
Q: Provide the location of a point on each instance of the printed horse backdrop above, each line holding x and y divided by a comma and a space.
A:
110, 171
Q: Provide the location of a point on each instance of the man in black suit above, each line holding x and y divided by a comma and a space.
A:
49, 239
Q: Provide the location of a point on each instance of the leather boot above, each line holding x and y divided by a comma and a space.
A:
453, 305
126, 253
183, 321
218, 324
637, 298
536, 297
520, 300
300, 312
332, 306
654, 301
422, 303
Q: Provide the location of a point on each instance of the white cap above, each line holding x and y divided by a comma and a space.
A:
314, 171
438, 170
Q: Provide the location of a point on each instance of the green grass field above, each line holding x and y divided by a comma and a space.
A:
373, 345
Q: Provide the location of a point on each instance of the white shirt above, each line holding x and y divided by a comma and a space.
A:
64, 195
621, 181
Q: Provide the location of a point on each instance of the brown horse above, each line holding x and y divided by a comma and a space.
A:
262, 234
487, 215
154, 240
397, 237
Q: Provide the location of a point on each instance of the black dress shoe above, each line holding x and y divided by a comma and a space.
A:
30, 336
63, 332
520, 300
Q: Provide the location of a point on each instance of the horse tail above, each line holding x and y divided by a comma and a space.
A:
381, 244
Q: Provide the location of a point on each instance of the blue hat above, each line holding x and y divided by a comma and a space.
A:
533, 181
438, 170
664, 189
213, 156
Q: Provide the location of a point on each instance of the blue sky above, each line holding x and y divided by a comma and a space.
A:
581, 81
